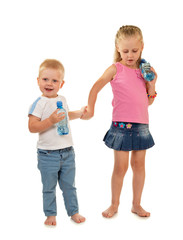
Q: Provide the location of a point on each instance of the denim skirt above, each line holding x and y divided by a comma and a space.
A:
124, 136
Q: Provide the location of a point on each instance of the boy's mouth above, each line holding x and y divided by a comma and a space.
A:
49, 89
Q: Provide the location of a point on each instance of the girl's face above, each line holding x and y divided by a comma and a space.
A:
130, 49
50, 81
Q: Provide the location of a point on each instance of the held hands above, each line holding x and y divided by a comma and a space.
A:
87, 114
84, 113
56, 117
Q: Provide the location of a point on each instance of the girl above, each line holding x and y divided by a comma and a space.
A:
129, 130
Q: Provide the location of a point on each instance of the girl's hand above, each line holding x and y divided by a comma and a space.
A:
153, 82
151, 87
87, 114
83, 110
56, 117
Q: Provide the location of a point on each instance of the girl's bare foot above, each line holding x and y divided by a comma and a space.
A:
50, 221
78, 218
108, 213
140, 211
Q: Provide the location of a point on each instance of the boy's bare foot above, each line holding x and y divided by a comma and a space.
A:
78, 218
50, 221
108, 213
140, 211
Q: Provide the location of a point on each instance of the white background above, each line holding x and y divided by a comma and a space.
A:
81, 35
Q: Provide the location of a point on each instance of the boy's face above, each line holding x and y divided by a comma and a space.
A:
50, 81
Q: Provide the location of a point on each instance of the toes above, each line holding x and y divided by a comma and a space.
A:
78, 218
140, 212
104, 214
82, 219
109, 213
50, 221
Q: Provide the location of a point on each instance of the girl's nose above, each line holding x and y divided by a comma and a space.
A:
130, 54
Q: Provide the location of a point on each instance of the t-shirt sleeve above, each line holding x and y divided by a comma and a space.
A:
36, 109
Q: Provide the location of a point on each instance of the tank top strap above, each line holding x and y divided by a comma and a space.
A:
119, 67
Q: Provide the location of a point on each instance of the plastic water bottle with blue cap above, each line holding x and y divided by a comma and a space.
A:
145, 68
62, 126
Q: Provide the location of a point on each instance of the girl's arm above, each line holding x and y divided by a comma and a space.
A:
37, 126
151, 87
107, 76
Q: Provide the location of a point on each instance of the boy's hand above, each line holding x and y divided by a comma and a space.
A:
56, 117
87, 114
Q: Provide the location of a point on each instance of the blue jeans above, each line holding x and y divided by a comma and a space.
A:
58, 165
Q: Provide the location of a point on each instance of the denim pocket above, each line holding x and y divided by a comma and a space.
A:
43, 152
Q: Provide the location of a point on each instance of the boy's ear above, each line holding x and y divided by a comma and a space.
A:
62, 83
37, 80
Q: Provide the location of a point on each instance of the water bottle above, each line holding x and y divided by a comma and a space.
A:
145, 68
62, 127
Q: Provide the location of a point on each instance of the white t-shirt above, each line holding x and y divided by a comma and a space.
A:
42, 108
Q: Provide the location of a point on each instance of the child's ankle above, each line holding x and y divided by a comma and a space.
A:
115, 205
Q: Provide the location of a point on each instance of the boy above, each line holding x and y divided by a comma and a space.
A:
56, 158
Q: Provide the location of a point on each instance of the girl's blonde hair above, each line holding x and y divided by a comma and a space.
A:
123, 32
51, 63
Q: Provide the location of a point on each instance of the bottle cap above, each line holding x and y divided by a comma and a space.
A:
59, 104
143, 61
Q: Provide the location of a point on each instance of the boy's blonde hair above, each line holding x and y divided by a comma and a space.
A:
123, 32
51, 63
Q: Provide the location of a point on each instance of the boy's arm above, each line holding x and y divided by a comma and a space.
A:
37, 126
99, 84
76, 114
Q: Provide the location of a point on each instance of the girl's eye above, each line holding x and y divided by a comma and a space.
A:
135, 51
55, 81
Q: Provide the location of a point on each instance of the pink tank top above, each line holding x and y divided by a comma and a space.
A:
130, 102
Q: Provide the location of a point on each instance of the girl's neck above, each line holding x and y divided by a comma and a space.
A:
135, 66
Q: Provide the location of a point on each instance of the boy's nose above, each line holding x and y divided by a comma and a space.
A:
49, 82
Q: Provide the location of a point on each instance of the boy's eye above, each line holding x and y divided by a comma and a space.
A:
45, 79
55, 81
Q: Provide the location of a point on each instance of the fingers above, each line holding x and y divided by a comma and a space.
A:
61, 116
83, 112
152, 69
86, 116
57, 117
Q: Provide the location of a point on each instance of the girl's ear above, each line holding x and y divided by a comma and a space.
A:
117, 48
142, 46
